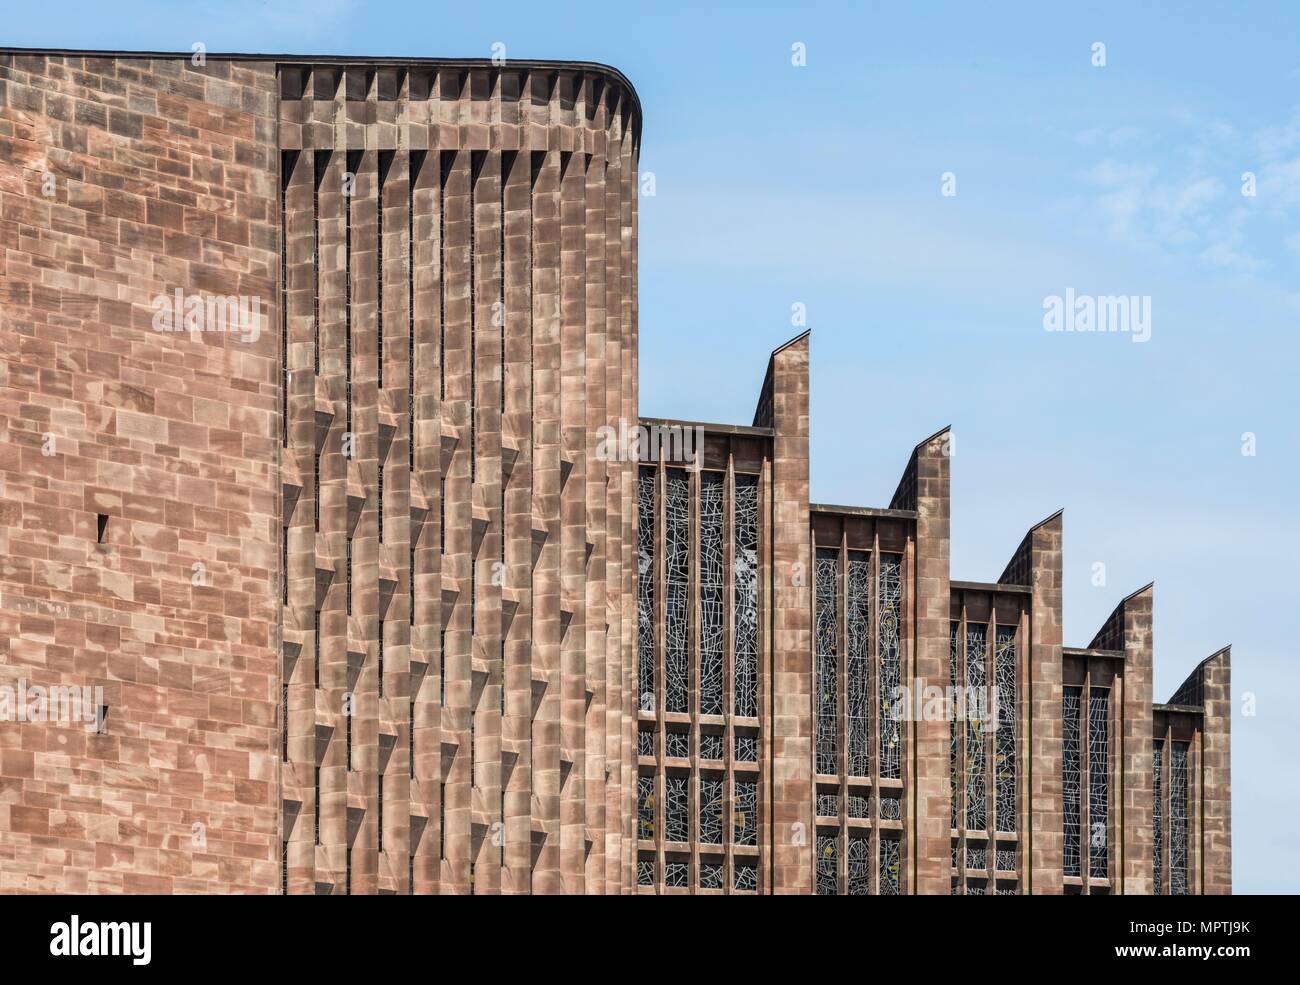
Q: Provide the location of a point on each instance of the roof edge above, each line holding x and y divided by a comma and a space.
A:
393, 60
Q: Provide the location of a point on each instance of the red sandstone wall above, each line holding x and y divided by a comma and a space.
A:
164, 177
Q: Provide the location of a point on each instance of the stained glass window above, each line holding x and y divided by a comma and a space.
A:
976, 682
713, 588
677, 531
891, 808
1157, 818
746, 749
711, 811
745, 877
1006, 859
891, 671
710, 875
976, 857
859, 859
828, 805
746, 589
1178, 885
1070, 778
645, 592
858, 662
645, 872
645, 807
1006, 727
889, 867
954, 748
828, 880
711, 745
859, 805
677, 816
746, 812
827, 630
645, 743
1098, 782
677, 875
677, 745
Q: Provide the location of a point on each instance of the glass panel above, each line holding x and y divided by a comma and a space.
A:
645, 589
828, 880
1070, 778
746, 616
1178, 820
677, 524
1004, 746
1098, 782
827, 631
713, 588
891, 671
858, 663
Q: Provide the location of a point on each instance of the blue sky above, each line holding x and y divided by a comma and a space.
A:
821, 185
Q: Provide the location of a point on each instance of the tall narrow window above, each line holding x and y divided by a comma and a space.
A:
353, 165
1178, 798
828, 862
827, 659
712, 587
745, 669
284, 562
677, 815
976, 751
889, 867
857, 666
891, 670
645, 589
318, 805
287, 161
954, 744
284, 722
316, 654
677, 539
645, 807
385, 162
348, 583
1157, 818
1006, 726
415, 160
745, 813
347, 717
859, 861
381, 658
379, 812
476, 159
711, 810
320, 162
507, 165
379, 503
446, 159
1099, 782
1071, 775
410, 740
